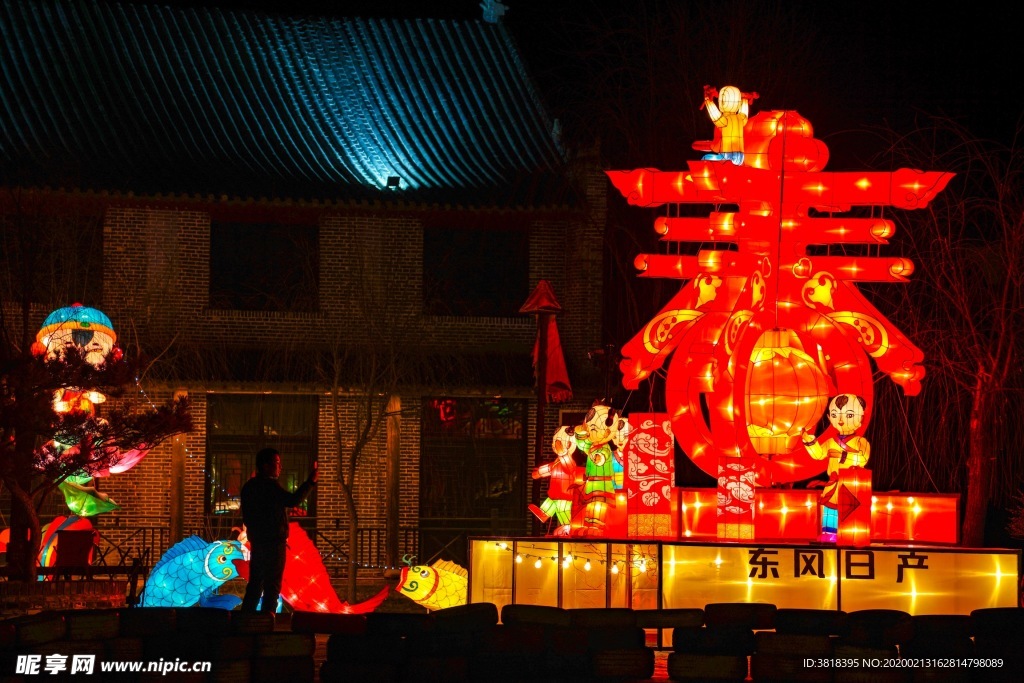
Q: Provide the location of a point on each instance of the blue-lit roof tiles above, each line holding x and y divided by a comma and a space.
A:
140, 97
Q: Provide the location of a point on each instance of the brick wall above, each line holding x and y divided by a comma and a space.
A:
157, 262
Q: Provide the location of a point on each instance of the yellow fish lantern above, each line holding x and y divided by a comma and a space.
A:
440, 585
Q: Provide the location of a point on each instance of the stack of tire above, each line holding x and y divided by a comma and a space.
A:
616, 645
440, 646
873, 635
998, 643
719, 650
240, 647
941, 637
800, 634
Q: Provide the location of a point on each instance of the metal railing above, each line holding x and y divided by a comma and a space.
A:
144, 545
432, 540
371, 546
326, 533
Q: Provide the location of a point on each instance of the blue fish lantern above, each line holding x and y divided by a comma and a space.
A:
191, 572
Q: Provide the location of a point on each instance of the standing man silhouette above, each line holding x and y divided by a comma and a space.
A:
265, 515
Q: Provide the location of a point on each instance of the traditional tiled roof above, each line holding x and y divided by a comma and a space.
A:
99, 95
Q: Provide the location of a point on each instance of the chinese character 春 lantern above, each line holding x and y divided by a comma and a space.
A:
754, 272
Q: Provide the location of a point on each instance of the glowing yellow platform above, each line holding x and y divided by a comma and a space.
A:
569, 573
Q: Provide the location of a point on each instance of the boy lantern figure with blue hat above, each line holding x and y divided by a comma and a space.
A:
844, 450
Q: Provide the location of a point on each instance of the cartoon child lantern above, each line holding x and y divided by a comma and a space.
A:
600, 437
564, 475
843, 451
729, 116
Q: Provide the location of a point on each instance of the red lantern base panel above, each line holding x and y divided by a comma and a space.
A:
793, 516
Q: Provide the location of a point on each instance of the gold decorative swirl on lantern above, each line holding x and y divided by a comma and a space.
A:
659, 332
820, 289
734, 328
901, 268
871, 334
802, 268
757, 289
707, 288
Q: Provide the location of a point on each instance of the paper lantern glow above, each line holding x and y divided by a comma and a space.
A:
563, 476
649, 457
600, 438
190, 573
49, 541
442, 584
305, 584
729, 116
761, 267
88, 329
786, 392
82, 497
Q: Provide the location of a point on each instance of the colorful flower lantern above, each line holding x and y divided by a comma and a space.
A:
90, 331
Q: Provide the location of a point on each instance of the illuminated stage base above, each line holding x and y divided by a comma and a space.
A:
918, 579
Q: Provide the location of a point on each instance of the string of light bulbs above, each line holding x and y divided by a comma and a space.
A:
642, 562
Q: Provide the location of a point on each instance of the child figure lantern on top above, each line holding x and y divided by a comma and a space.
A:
729, 116
847, 454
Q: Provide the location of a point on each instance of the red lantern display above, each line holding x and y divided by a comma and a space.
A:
649, 461
737, 482
854, 500
761, 286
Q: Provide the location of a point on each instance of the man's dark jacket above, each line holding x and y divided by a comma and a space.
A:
265, 508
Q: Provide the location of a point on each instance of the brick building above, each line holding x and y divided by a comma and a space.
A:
281, 211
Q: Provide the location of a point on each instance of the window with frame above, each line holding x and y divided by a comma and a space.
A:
53, 259
239, 425
473, 458
475, 272
264, 267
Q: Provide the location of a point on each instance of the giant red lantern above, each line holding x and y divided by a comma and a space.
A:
769, 322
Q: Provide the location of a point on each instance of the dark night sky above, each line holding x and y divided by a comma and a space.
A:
876, 62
